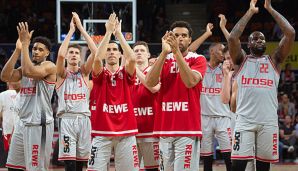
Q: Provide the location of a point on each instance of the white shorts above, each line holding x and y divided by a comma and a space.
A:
179, 153
125, 150
149, 153
255, 141
29, 148
218, 127
74, 138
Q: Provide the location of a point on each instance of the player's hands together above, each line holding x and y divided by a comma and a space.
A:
18, 44
165, 46
110, 24
77, 21
253, 7
226, 67
117, 30
72, 27
173, 42
24, 34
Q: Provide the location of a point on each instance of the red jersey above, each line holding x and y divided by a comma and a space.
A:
144, 108
180, 111
110, 104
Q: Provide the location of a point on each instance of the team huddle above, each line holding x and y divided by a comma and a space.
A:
163, 116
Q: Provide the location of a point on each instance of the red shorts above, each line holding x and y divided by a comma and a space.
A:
6, 140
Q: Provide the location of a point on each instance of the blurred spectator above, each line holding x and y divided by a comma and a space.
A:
285, 107
288, 137
288, 80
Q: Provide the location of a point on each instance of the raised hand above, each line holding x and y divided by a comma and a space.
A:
253, 7
223, 21
110, 24
226, 67
117, 30
77, 20
24, 34
72, 26
209, 28
165, 46
18, 44
267, 4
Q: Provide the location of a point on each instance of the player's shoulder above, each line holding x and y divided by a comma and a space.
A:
194, 55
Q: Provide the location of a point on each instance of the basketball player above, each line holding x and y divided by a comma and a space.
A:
73, 100
216, 119
8, 100
144, 99
256, 82
31, 142
178, 120
113, 122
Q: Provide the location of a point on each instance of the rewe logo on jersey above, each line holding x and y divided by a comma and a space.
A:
74, 96
256, 81
35, 149
28, 90
143, 111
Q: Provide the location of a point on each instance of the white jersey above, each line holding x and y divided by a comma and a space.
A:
211, 104
34, 105
73, 95
7, 108
257, 81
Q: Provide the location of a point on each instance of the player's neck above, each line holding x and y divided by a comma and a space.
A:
142, 66
213, 63
112, 68
73, 68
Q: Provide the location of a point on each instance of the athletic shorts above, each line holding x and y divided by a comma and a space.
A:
125, 150
179, 153
31, 147
255, 141
74, 138
218, 127
148, 152
6, 141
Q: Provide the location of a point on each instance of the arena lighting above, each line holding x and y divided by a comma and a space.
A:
92, 23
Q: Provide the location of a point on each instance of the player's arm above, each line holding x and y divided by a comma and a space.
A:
189, 77
101, 51
152, 77
142, 77
194, 46
288, 38
233, 103
222, 25
130, 58
60, 62
28, 69
86, 67
225, 93
8, 73
234, 39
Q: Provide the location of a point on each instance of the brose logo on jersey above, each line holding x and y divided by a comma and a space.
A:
28, 90
256, 81
211, 90
74, 96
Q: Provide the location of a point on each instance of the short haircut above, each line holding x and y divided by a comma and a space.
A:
43, 40
213, 45
182, 24
119, 48
77, 46
141, 43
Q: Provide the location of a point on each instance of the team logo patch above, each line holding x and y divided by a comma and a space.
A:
120, 75
66, 144
236, 145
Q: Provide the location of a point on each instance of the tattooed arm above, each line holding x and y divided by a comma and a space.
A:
288, 38
234, 41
